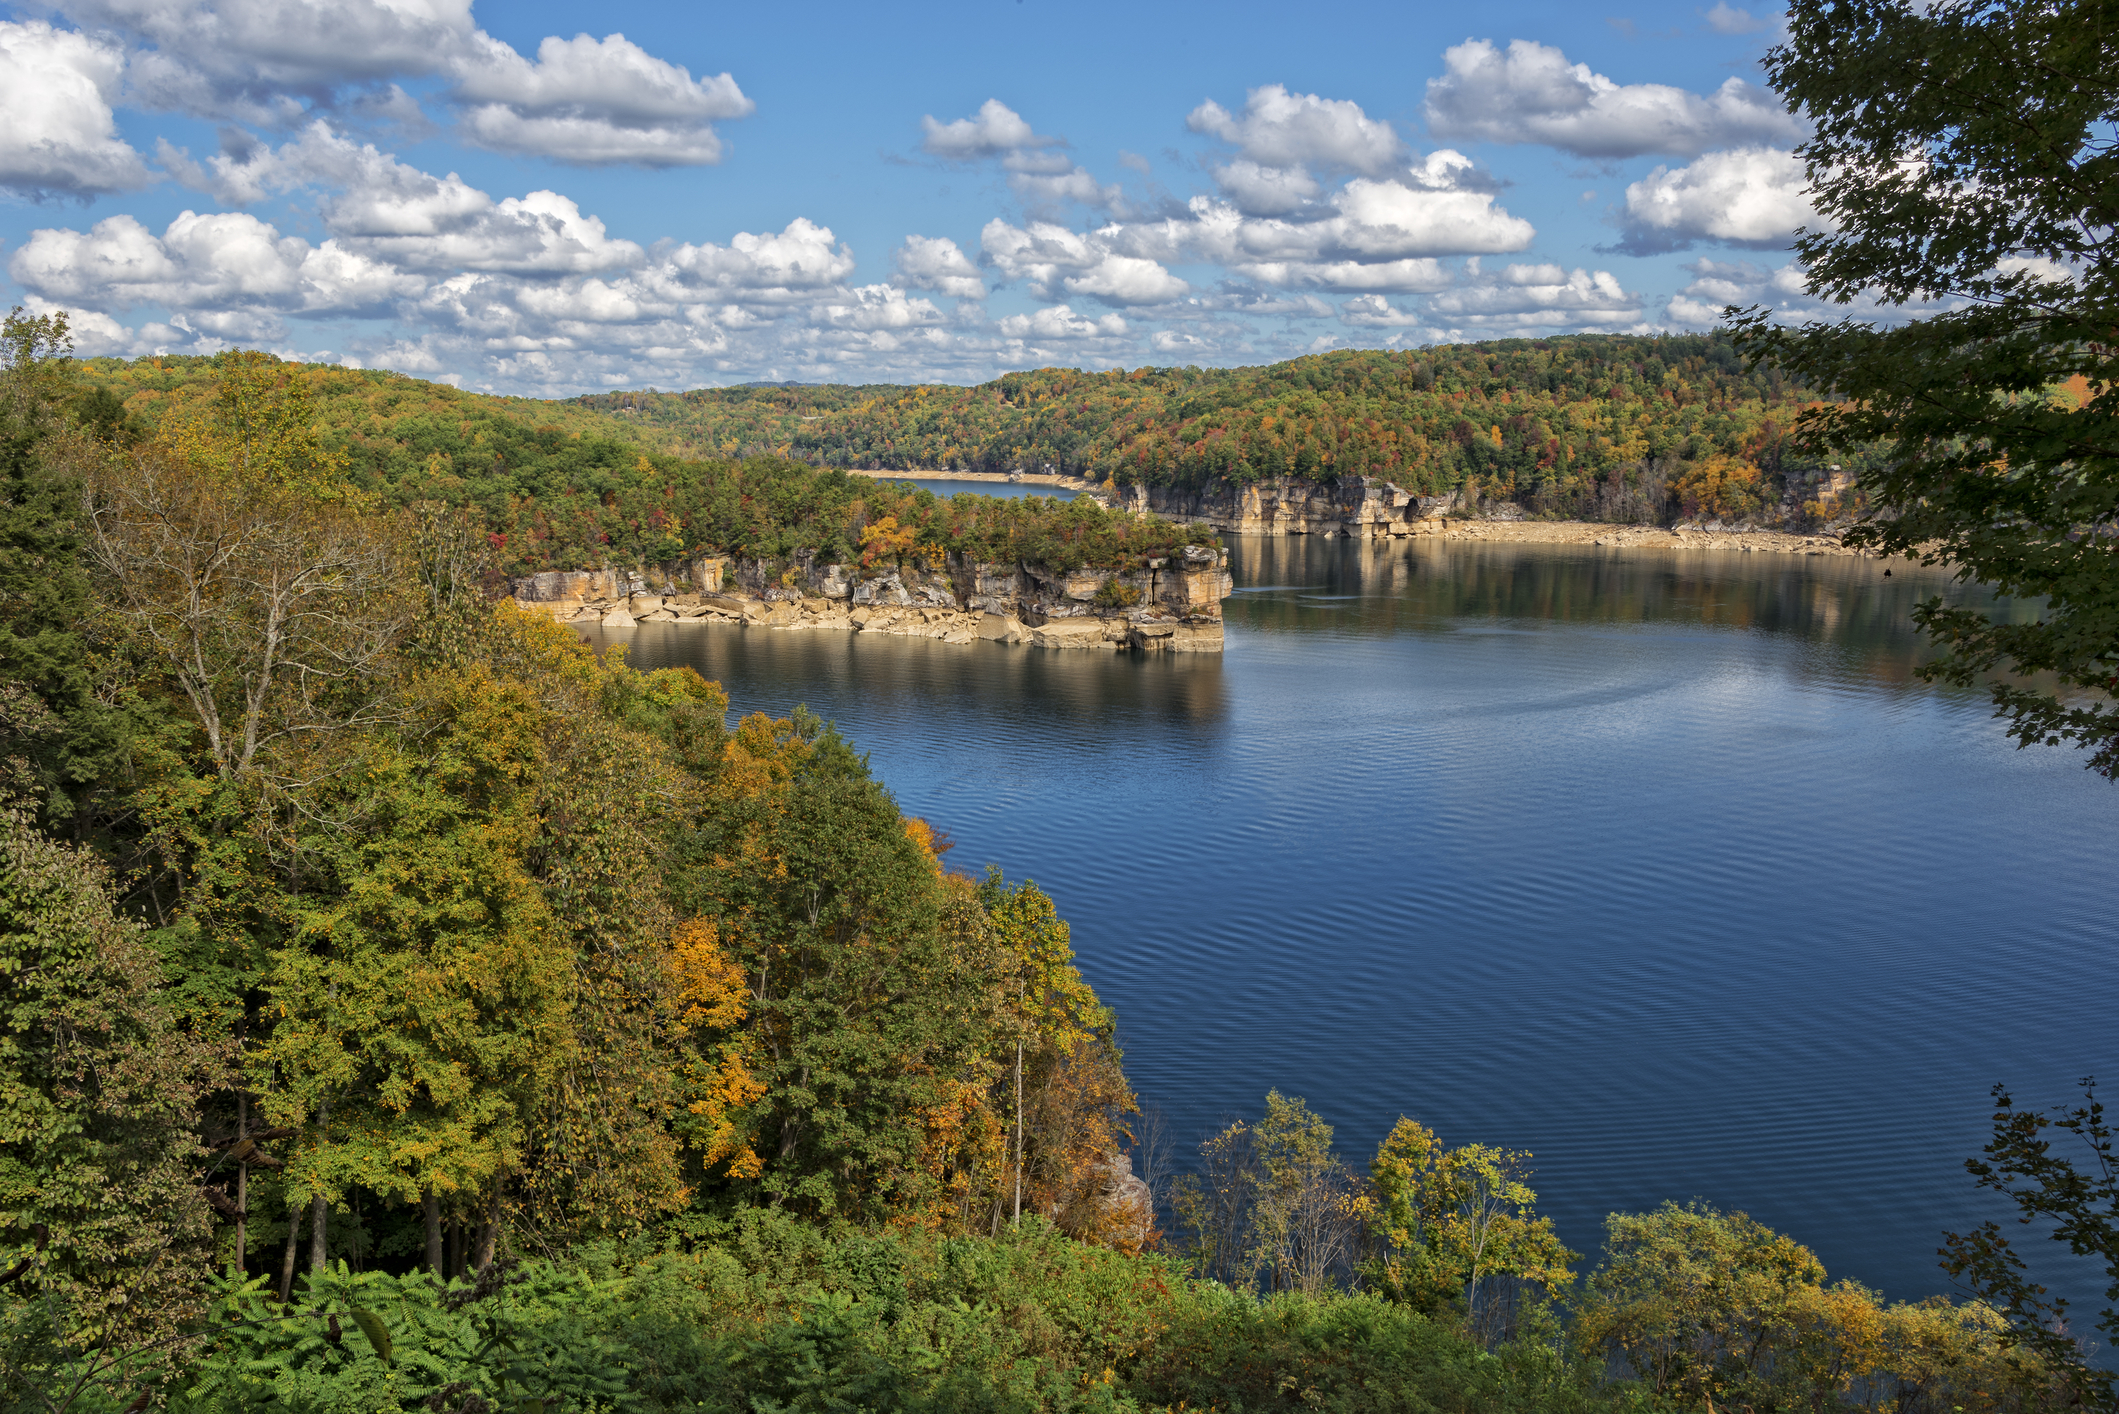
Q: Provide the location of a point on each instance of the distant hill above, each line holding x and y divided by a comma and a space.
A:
1545, 422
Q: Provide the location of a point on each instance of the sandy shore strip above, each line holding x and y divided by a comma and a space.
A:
1578, 532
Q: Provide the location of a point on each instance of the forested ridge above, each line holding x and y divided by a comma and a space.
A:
1600, 427
557, 486
1596, 427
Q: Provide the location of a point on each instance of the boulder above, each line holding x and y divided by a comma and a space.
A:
1069, 633
618, 618
1002, 628
1195, 638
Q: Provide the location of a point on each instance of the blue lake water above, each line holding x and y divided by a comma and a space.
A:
1658, 864
1005, 490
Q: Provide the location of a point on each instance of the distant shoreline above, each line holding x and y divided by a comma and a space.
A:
1521, 532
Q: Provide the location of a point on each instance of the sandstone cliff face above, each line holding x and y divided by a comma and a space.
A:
1173, 605
1362, 507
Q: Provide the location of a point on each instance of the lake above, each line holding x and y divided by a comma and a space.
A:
1659, 864
1003, 490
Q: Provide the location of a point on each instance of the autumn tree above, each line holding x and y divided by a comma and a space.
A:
1706, 1307
1068, 1098
1456, 1229
849, 942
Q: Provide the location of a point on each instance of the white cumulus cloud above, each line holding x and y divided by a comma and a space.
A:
58, 136
996, 130
1376, 312
1537, 297
1784, 292
588, 101
1530, 93
1755, 196
1266, 191
1282, 129
1055, 261
873, 307
228, 267
594, 102
936, 263
1059, 322
1042, 176
268, 61
795, 263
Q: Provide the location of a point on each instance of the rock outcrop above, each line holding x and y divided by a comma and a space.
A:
1171, 605
1370, 508
1361, 507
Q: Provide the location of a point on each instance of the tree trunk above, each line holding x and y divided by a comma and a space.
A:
319, 1220
430, 1211
1019, 1132
489, 1231
294, 1237
242, 1189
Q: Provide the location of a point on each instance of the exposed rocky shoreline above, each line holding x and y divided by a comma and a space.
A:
1172, 605
1370, 508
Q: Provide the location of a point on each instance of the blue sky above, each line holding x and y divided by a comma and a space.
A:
550, 199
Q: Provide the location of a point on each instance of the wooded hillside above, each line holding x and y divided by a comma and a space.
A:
560, 486
1603, 427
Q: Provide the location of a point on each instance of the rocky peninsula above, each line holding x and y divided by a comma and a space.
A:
1171, 605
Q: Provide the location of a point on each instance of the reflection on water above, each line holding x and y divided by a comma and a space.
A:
1296, 583
877, 677
1657, 864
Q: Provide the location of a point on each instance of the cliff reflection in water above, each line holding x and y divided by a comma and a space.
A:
848, 676
1297, 584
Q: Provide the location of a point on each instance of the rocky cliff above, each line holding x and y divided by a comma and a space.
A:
1362, 507
1370, 508
1170, 605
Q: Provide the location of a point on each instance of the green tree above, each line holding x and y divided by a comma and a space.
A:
105, 1228
45, 590
421, 1003
1963, 168
871, 1001
1272, 1201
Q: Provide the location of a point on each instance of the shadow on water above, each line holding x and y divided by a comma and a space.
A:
1657, 864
